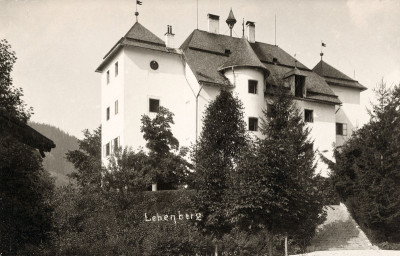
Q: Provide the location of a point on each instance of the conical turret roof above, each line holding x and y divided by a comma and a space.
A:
231, 18
242, 56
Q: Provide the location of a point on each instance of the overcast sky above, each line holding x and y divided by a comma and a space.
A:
60, 43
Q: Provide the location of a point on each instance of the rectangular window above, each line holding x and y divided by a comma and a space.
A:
253, 124
299, 86
107, 149
308, 116
116, 68
116, 107
253, 86
108, 76
116, 144
341, 129
154, 104
108, 114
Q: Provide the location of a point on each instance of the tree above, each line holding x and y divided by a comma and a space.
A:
367, 169
165, 164
87, 160
215, 156
11, 101
276, 188
25, 187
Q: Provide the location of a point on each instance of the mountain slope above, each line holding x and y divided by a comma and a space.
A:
55, 161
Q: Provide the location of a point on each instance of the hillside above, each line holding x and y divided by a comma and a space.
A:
55, 161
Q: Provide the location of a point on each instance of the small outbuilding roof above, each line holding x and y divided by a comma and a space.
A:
24, 133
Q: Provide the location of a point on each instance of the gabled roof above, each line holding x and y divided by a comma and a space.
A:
207, 54
24, 133
137, 36
335, 77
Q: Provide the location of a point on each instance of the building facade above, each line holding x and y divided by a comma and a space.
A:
142, 72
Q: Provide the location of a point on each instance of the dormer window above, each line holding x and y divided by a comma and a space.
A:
300, 89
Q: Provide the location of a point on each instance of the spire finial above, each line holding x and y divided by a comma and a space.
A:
322, 45
243, 28
138, 2
231, 21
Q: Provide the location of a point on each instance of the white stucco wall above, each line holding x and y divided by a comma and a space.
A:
322, 130
167, 83
253, 103
110, 92
349, 112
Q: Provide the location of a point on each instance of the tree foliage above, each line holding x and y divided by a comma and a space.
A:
367, 170
222, 138
165, 163
11, 102
25, 187
87, 160
276, 188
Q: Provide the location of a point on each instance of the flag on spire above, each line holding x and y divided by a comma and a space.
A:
139, 2
323, 44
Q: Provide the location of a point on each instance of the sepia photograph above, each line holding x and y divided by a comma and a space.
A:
200, 127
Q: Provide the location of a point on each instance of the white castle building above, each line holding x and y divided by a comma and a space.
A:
142, 72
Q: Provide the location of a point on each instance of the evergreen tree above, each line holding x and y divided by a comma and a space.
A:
367, 170
276, 188
215, 156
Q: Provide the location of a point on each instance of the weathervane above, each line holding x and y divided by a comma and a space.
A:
322, 45
138, 2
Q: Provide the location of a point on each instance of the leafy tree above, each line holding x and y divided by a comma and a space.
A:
276, 188
11, 102
25, 187
165, 164
87, 160
367, 169
222, 138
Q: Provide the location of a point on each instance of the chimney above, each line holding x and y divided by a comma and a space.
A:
251, 31
169, 37
213, 23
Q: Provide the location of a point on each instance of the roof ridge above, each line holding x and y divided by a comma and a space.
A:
139, 32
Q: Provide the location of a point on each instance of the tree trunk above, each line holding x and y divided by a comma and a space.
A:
286, 247
216, 249
270, 243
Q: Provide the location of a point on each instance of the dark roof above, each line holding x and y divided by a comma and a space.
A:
24, 133
335, 77
137, 36
241, 55
138, 32
207, 54
231, 18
